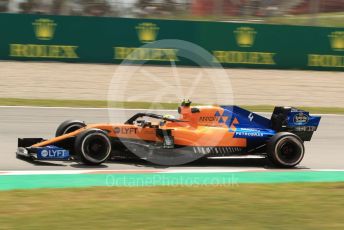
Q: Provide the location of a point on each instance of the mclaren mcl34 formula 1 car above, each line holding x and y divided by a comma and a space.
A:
199, 132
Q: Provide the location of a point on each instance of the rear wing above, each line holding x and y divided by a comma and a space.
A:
297, 121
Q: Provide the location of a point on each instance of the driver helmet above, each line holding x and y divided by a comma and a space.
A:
169, 116
162, 123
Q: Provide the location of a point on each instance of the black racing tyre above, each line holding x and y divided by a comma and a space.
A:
285, 150
69, 126
92, 146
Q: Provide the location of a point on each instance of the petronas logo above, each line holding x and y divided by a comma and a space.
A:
44, 28
147, 32
337, 40
245, 36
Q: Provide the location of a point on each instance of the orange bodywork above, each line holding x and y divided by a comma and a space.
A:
199, 128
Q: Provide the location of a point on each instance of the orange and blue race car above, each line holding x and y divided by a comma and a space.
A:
199, 132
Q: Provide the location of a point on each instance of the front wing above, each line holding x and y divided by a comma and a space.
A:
50, 152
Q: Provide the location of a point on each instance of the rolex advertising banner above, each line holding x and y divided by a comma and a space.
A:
112, 40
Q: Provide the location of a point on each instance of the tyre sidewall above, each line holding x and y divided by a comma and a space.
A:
79, 146
275, 141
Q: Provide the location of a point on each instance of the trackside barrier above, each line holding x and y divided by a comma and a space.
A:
110, 40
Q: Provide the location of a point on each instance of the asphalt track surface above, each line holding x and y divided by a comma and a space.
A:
325, 151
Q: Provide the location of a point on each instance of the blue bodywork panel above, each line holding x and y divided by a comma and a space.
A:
251, 126
246, 118
253, 133
258, 129
297, 118
52, 152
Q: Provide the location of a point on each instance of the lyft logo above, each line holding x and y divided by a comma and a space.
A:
53, 153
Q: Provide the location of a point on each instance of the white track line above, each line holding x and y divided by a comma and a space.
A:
238, 157
68, 172
329, 170
164, 171
213, 170
65, 172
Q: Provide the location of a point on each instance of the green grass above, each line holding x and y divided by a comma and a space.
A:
324, 19
282, 206
141, 105
82, 103
332, 19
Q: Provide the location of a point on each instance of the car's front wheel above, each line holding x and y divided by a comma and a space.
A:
93, 146
285, 150
68, 127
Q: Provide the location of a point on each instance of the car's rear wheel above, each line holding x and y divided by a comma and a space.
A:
69, 126
93, 146
285, 150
